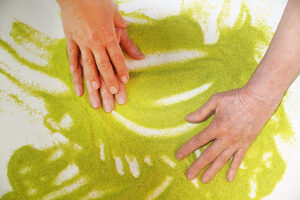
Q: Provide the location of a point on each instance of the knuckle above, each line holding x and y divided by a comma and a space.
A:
108, 37
233, 138
88, 61
223, 158
71, 51
118, 59
103, 65
75, 69
94, 37
104, 92
109, 40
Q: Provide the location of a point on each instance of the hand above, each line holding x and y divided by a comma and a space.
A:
239, 117
95, 30
107, 97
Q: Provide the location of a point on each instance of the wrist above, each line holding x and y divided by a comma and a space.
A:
263, 93
256, 103
271, 79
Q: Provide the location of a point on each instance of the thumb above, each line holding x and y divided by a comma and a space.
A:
204, 111
128, 46
119, 21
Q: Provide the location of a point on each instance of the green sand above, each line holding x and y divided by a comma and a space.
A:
227, 64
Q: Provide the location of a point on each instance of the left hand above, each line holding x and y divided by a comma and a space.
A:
239, 116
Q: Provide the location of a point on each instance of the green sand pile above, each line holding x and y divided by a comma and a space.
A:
97, 141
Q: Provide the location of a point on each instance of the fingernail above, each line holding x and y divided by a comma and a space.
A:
113, 90
124, 79
230, 176
179, 156
95, 103
189, 116
107, 108
204, 179
121, 100
72, 68
95, 85
141, 55
77, 90
190, 176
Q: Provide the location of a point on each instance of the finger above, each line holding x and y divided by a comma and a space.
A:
119, 21
197, 141
75, 67
204, 111
91, 77
121, 95
107, 97
118, 60
206, 157
106, 70
235, 164
128, 46
217, 165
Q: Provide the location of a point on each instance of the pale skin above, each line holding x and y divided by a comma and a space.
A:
95, 33
239, 115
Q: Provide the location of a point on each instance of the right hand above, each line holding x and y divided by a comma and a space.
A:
94, 32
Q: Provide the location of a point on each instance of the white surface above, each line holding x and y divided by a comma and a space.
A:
18, 127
